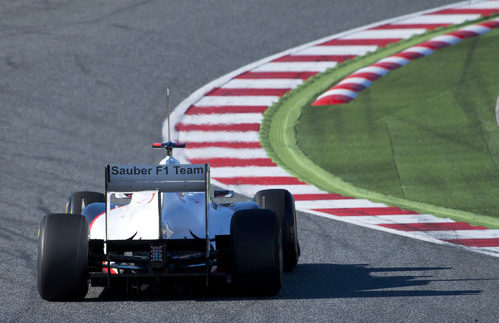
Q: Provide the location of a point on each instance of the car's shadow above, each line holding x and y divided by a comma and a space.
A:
309, 281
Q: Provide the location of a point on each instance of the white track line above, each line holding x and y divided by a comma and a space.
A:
338, 50
438, 19
494, 4
227, 172
215, 152
295, 67
294, 189
228, 118
485, 5
237, 100
460, 234
350, 203
493, 251
203, 136
386, 34
399, 219
262, 83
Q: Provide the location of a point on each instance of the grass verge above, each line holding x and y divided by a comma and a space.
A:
363, 147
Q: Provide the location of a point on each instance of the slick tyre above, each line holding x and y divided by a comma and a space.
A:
79, 200
62, 257
256, 252
282, 203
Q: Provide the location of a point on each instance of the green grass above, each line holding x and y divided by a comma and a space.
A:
422, 137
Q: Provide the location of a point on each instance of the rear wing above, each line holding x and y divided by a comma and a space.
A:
162, 178
159, 178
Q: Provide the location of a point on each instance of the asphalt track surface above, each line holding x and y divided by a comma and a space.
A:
80, 86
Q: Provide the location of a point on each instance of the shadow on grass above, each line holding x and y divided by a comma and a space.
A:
311, 281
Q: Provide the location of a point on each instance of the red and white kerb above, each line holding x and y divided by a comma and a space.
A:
347, 89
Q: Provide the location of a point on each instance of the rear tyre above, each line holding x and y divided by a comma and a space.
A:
62, 257
79, 200
256, 251
282, 203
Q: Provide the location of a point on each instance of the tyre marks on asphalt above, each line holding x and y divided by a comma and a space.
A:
220, 124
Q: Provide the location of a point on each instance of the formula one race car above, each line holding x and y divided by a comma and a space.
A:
156, 224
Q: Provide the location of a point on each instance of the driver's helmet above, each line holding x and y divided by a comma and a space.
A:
169, 160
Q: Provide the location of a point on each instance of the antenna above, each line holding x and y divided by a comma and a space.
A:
169, 145
168, 104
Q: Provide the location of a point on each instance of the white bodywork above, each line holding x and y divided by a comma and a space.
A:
182, 216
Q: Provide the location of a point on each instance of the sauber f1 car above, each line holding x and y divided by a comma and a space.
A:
156, 224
